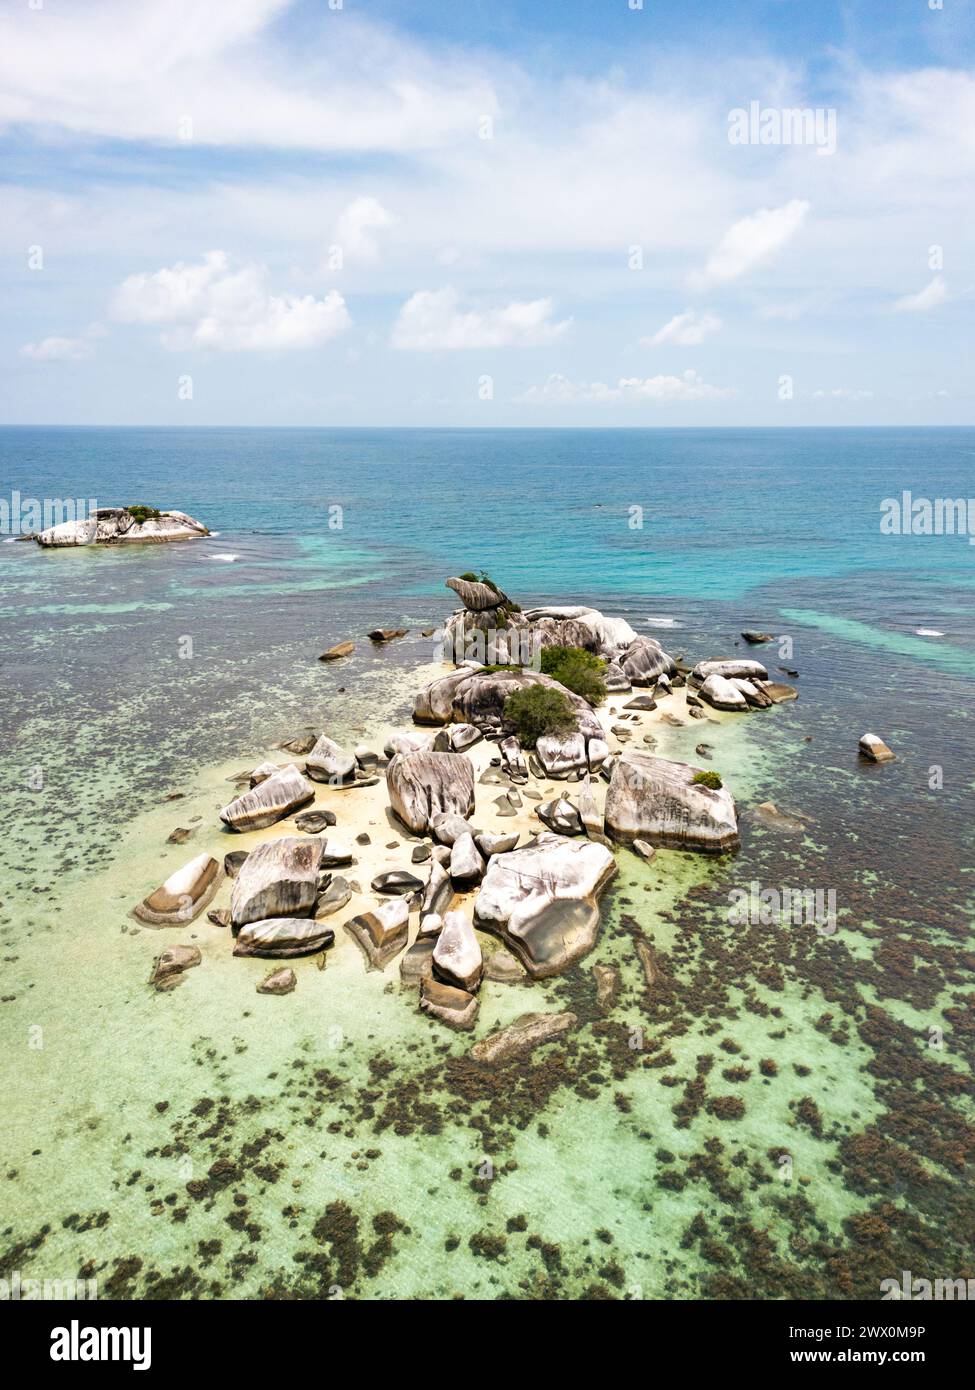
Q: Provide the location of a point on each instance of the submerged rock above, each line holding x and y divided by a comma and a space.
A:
607, 979
168, 967
386, 634
452, 1006
524, 1035
300, 745
338, 651
755, 638
504, 968
283, 936
542, 900
381, 933
183, 896
281, 794
278, 982
769, 814
279, 878
424, 785
656, 800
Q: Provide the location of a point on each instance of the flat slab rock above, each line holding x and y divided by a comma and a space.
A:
271, 801
283, 936
656, 800
168, 967
542, 901
183, 896
524, 1035
278, 982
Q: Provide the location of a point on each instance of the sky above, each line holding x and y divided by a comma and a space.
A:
489, 213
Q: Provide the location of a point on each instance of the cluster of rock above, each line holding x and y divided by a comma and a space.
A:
276, 792
115, 525
738, 684
466, 888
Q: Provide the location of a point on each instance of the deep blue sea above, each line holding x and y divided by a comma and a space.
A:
323, 534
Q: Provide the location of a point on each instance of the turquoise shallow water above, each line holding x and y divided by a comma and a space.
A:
355, 1159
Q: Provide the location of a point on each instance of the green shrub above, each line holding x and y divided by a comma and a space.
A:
534, 710
578, 670
140, 512
707, 779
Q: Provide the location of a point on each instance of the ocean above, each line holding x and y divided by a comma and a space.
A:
782, 1114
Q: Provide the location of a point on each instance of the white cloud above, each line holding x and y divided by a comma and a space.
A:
228, 73
355, 229
686, 330
212, 304
929, 298
752, 240
432, 320
57, 350
560, 390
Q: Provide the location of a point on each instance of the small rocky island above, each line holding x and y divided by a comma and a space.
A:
509, 801
118, 525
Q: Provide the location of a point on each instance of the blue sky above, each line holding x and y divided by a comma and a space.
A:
501, 212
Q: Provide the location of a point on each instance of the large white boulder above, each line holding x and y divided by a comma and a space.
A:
542, 900
457, 958
656, 800
279, 878
721, 693
423, 785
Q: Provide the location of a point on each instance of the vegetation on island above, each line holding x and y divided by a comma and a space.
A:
140, 512
537, 710
708, 778
578, 670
